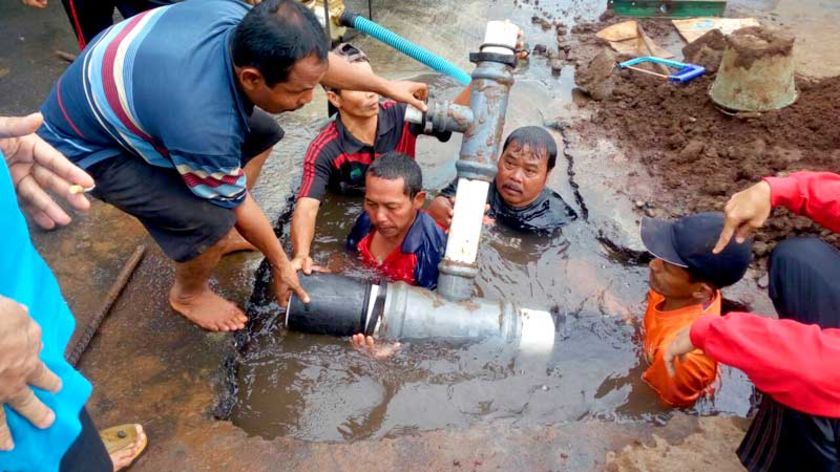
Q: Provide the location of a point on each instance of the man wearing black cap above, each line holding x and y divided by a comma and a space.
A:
794, 361
685, 282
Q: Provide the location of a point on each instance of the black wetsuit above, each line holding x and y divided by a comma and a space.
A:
546, 214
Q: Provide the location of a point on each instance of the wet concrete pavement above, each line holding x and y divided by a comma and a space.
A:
151, 366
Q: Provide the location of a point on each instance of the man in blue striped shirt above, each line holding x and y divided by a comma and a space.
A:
161, 109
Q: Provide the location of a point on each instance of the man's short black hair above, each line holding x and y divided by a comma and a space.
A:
276, 34
394, 165
537, 139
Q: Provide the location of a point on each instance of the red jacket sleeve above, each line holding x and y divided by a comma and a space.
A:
796, 364
812, 194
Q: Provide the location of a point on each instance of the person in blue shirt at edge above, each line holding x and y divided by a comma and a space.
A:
393, 235
518, 198
44, 425
161, 110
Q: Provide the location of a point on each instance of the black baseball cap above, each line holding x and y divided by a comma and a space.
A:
687, 242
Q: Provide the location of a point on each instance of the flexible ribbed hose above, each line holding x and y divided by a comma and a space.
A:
410, 49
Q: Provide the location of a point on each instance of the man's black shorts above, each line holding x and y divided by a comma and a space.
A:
183, 224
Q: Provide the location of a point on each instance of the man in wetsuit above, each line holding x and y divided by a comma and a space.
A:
393, 235
518, 198
338, 157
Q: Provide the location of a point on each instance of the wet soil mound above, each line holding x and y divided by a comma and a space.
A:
701, 156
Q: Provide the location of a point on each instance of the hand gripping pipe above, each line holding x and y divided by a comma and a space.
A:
341, 306
360, 23
482, 125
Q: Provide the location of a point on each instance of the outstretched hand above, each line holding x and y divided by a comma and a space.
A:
285, 282
36, 167
680, 346
21, 369
367, 345
307, 265
745, 212
406, 91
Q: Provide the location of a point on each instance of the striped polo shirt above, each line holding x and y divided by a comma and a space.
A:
159, 86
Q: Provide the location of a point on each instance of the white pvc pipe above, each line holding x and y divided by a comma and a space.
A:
500, 33
467, 221
537, 331
413, 115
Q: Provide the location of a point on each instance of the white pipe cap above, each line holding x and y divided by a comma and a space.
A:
502, 35
537, 331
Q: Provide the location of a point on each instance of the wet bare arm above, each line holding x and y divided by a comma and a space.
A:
303, 232
441, 210
255, 228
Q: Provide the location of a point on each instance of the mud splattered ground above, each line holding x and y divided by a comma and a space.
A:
699, 155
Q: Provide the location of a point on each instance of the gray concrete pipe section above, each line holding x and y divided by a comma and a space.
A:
413, 313
481, 124
342, 306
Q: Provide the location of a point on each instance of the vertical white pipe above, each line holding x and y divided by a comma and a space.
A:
467, 220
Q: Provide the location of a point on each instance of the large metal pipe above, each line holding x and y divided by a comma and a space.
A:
482, 128
342, 306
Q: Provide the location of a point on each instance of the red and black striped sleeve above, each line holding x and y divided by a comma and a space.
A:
318, 164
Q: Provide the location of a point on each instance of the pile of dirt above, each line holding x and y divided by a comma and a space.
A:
707, 50
701, 156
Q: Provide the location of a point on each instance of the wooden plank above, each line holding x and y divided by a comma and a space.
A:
692, 29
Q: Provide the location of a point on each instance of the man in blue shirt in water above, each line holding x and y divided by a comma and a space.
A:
43, 422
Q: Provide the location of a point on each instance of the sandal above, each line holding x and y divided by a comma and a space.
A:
122, 438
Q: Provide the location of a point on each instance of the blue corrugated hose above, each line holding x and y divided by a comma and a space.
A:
408, 48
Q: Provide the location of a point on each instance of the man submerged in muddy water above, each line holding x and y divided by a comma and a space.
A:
161, 111
685, 283
338, 157
518, 198
393, 235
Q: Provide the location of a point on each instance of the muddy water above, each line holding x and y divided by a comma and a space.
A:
318, 388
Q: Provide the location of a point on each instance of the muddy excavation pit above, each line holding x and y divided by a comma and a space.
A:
299, 402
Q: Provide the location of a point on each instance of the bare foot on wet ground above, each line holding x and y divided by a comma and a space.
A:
207, 309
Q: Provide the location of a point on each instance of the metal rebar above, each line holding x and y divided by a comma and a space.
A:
113, 294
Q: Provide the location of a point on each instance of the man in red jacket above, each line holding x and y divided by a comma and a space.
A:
793, 360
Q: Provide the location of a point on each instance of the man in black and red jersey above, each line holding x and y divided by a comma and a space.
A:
338, 158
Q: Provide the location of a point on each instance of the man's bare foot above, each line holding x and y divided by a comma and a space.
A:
236, 243
208, 310
367, 345
124, 457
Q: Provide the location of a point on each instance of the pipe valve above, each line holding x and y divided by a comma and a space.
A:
441, 117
